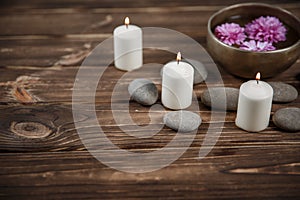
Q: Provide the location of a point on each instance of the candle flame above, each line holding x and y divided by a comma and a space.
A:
126, 21
178, 58
257, 77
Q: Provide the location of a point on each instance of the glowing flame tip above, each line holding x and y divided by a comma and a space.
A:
257, 76
126, 21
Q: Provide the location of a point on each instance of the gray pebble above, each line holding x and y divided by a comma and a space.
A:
287, 119
182, 120
217, 97
283, 93
143, 91
200, 72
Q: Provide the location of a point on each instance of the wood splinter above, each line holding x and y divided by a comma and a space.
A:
22, 95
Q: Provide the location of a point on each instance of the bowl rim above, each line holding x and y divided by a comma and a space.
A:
252, 4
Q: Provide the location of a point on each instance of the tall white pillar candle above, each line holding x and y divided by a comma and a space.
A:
254, 105
128, 47
177, 84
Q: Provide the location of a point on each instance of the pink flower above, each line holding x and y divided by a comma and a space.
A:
230, 33
267, 29
258, 46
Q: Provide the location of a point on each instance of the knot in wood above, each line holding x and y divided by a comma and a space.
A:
30, 129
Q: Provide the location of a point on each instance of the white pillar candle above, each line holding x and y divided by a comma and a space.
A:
254, 105
128, 47
177, 84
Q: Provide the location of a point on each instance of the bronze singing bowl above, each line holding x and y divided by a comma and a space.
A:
244, 63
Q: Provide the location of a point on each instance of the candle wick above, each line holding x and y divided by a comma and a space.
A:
257, 81
178, 58
126, 26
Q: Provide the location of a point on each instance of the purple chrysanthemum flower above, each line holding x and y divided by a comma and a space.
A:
230, 33
253, 45
267, 29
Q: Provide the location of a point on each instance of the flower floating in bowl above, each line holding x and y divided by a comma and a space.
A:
230, 33
258, 35
267, 29
251, 37
253, 45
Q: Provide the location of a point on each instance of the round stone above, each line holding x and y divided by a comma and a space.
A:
200, 72
283, 93
221, 98
143, 91
287, 119
182, 120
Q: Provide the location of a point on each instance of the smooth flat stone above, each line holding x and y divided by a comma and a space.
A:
219, 95
287, 119
200, 72
143, 91
283, 93
182, 120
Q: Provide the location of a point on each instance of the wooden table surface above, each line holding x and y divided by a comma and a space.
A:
41, 155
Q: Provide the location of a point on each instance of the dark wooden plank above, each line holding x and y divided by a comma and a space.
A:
38, 128
35, 51
77, 4
258, 172
104, 21
83, 22
37, 82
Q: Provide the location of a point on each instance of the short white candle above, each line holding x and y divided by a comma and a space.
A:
128, 46
177, 84
254, 105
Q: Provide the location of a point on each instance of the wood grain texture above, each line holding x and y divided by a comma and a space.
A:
122, 3
42, 45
